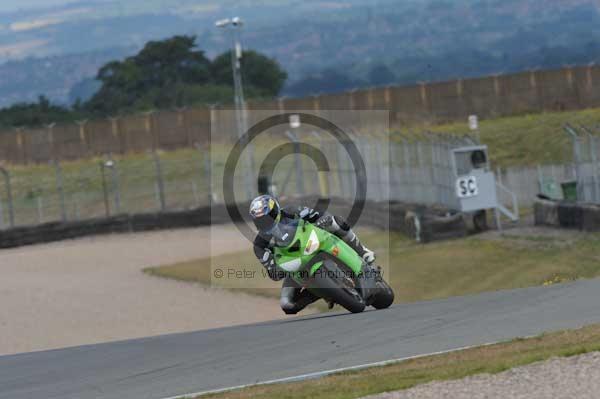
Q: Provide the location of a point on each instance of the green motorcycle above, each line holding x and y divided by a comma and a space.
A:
324, 264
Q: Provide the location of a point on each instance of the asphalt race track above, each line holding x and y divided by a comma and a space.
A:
171, 365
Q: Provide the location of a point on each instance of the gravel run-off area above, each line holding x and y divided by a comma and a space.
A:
558, 378
93, 290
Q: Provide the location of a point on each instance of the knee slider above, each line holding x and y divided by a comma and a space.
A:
288, 307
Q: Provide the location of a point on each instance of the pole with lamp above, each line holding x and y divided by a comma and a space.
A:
234, 26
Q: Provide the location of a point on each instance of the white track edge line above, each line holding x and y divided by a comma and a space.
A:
319, 374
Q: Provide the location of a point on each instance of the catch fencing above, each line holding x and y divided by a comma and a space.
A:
405, 168
415, 168
103, 188
586, 155
529, 182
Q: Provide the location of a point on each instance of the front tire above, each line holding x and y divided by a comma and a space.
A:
331, 283
385, 296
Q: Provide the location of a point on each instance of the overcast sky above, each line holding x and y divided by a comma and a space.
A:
12, 5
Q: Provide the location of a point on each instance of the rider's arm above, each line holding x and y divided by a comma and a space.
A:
264, 252
308, 214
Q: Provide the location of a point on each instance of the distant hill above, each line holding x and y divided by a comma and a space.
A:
364, 43
59, 78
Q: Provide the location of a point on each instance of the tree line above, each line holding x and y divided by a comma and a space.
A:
165, 74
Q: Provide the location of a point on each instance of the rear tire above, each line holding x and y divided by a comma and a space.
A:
329, 283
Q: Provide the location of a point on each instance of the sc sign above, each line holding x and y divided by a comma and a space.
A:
466, 187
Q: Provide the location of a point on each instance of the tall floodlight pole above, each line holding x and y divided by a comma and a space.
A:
234, 26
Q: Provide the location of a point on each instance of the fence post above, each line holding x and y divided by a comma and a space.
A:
365, 148
383, 183
149, 129
40, 209
208, 173
61, 190
207, 170
7, 183
392, 175
195, 193
577, 159
1, 215
105, 189
83, 143
499, 175
339, 156
407, 171
159, 182
322, 176
157, 194
592, 141
298, 161
182, 121
540, 176
372, 163
114, 172
420, 173
117, 134
351, 180
50, 133
435, 194
76, 207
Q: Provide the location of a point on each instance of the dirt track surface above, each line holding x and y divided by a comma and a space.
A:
92, 290
560, 378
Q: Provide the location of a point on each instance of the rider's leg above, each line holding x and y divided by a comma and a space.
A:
338, 226
294, 298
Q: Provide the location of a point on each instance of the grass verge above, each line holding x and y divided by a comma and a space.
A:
437, 270
515, 140
455, 365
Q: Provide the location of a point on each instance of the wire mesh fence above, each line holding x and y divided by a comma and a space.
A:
103, 187
412, 169
407, 168
586, 154
528, 182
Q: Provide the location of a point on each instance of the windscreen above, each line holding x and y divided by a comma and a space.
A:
284, 232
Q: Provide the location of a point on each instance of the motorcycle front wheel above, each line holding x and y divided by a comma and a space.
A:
384, 297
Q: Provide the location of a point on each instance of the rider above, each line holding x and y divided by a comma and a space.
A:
266, 214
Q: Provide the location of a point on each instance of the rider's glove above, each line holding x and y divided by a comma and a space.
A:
268, 261
309, 215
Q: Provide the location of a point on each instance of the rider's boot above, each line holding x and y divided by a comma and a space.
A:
352, 240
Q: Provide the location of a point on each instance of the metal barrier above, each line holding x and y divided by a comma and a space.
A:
586, 147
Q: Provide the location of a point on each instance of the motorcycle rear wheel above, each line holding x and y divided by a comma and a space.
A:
329, 283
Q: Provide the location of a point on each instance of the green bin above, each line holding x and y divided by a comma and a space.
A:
569, 190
